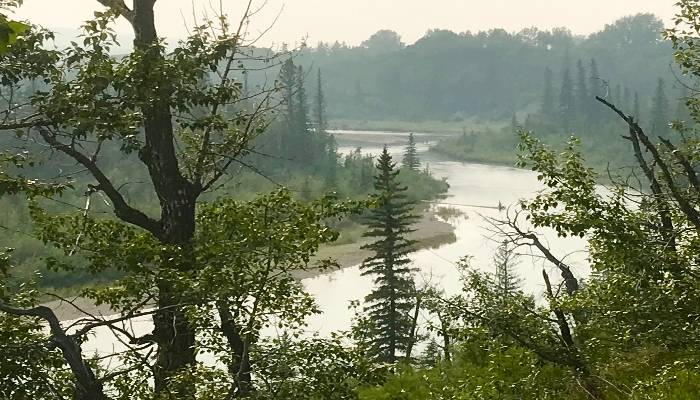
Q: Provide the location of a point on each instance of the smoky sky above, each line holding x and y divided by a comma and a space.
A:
352, 21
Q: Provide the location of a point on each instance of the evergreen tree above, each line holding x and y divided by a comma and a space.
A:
288, 81
548, 107
320, 122
596, 88
331, 171
567, 110
636, 109
505, 260
410, 156
302, 111
660, 110
583, 98
390, 302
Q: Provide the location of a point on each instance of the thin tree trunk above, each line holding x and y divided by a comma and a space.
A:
414, 327
239, 368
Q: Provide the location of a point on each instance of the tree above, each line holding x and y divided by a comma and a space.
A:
143, 103
660, 110
548, 105
320, 122
507, 279
567, 102
389, 303
9, 28
410, 156
383, 41
583, 98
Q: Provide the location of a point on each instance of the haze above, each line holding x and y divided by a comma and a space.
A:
354, 21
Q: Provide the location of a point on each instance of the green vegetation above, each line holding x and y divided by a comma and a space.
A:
213, 271
389, 327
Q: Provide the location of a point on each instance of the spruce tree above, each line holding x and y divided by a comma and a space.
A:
659, 110
331, 171
505, 260
288, 82
597, 88
548, 107
302, 111
320, 122
410, 156
567, 110
583, 97
390, 302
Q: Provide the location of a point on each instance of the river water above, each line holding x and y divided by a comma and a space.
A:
475, 189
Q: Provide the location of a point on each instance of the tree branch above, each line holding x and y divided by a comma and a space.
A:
121, 208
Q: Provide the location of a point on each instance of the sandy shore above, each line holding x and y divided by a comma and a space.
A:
430, 232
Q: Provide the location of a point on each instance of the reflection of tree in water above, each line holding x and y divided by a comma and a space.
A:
450, 214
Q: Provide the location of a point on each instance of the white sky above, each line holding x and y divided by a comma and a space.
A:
353, 21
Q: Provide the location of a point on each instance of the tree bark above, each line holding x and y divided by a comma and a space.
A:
173, 334
239, 368
87, 386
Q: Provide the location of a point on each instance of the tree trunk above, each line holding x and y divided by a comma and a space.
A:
173, 334
239, 368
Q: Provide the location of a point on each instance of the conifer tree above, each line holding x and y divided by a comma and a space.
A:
390, 302
660, 110
288, 81
331, 171
507, 279
597, 88
320, 122
302, 111
410, 156
583, 98
567, 110
636, 108
548, 107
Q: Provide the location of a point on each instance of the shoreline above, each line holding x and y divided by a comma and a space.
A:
430, 233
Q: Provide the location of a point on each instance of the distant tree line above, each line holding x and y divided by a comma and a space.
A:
489, 74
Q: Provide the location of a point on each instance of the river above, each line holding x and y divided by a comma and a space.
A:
475, 189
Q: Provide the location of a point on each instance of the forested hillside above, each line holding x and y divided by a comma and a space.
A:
494, 74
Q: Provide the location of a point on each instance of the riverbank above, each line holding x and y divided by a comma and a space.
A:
430, 232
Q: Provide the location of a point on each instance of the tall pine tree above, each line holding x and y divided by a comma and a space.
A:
410, 155
320, 122
583, 97
505, 261
567, 107
390, 302
660, 110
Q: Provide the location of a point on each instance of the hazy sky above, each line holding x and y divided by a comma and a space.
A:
352, 21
